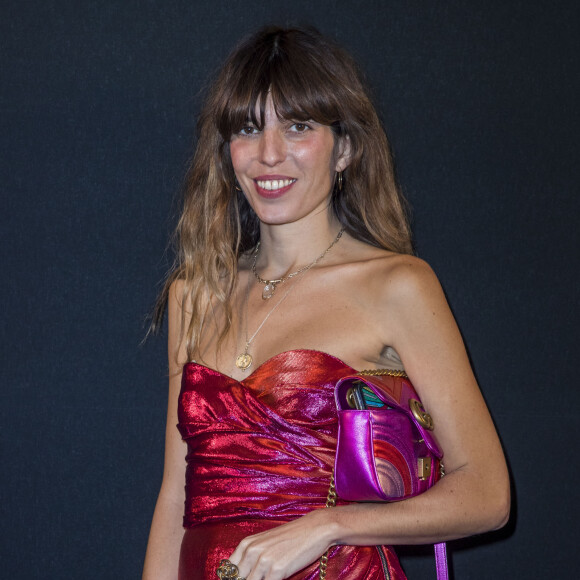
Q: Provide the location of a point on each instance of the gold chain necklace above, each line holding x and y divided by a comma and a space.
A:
270, 285
244, 360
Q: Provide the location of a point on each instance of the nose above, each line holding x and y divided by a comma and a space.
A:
272, 147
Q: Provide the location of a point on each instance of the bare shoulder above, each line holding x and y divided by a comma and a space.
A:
407, 278
175, 297
403, 294
392, 278
411, 294
176, 319
178, 300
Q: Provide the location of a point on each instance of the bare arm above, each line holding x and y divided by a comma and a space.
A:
474, 495
162, 559
415, 319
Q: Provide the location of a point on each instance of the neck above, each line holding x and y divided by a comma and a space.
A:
287, 247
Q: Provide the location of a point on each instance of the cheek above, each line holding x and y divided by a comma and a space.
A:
315, 157
238, 155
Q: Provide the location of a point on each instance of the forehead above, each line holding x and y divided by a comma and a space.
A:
286, 97
269, 107
266, 111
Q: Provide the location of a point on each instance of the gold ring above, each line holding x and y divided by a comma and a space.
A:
228, 571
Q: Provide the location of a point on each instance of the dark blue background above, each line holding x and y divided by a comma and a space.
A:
98, 103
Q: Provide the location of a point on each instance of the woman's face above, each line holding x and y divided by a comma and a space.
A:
287, 169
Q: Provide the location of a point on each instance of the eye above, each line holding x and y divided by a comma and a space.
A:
248, 129
300, 127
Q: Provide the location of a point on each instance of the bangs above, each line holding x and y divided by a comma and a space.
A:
301, 87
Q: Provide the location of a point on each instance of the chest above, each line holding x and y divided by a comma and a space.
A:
321, 313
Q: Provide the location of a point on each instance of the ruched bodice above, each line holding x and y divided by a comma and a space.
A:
260, 453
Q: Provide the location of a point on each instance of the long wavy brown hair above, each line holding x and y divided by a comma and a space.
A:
308, 78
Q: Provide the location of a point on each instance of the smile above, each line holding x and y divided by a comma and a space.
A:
274, 184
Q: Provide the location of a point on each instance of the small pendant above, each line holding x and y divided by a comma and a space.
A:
268, 291
244, 361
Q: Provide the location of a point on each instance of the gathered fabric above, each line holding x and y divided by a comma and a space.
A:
261, 453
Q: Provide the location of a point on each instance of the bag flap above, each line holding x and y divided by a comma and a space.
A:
396, 392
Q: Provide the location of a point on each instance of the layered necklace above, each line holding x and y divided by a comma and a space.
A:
270, 285
244, 360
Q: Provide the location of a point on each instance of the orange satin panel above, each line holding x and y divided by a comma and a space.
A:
260, 453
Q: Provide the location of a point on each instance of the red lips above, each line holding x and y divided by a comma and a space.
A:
277, 189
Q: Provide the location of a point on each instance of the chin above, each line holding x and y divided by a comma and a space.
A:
275, 216
276, 220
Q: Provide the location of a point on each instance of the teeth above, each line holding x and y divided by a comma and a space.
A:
273, 184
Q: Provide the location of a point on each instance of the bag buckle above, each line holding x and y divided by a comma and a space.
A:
424, 468
423, 418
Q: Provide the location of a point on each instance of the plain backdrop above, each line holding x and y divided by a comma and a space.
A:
98, 101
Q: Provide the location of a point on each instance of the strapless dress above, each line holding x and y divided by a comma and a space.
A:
260, 453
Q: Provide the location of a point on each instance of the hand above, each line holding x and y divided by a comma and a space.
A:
284, 550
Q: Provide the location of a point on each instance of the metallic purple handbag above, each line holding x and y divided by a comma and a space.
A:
385, 449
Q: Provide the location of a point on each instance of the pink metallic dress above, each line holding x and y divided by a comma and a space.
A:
260, 453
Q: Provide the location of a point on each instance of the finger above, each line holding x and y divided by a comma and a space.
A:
240, 558
266, 566
238, 554
253, 563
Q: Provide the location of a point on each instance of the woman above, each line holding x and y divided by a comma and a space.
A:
295, 268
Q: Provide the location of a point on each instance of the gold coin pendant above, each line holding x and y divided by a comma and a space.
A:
244, 361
